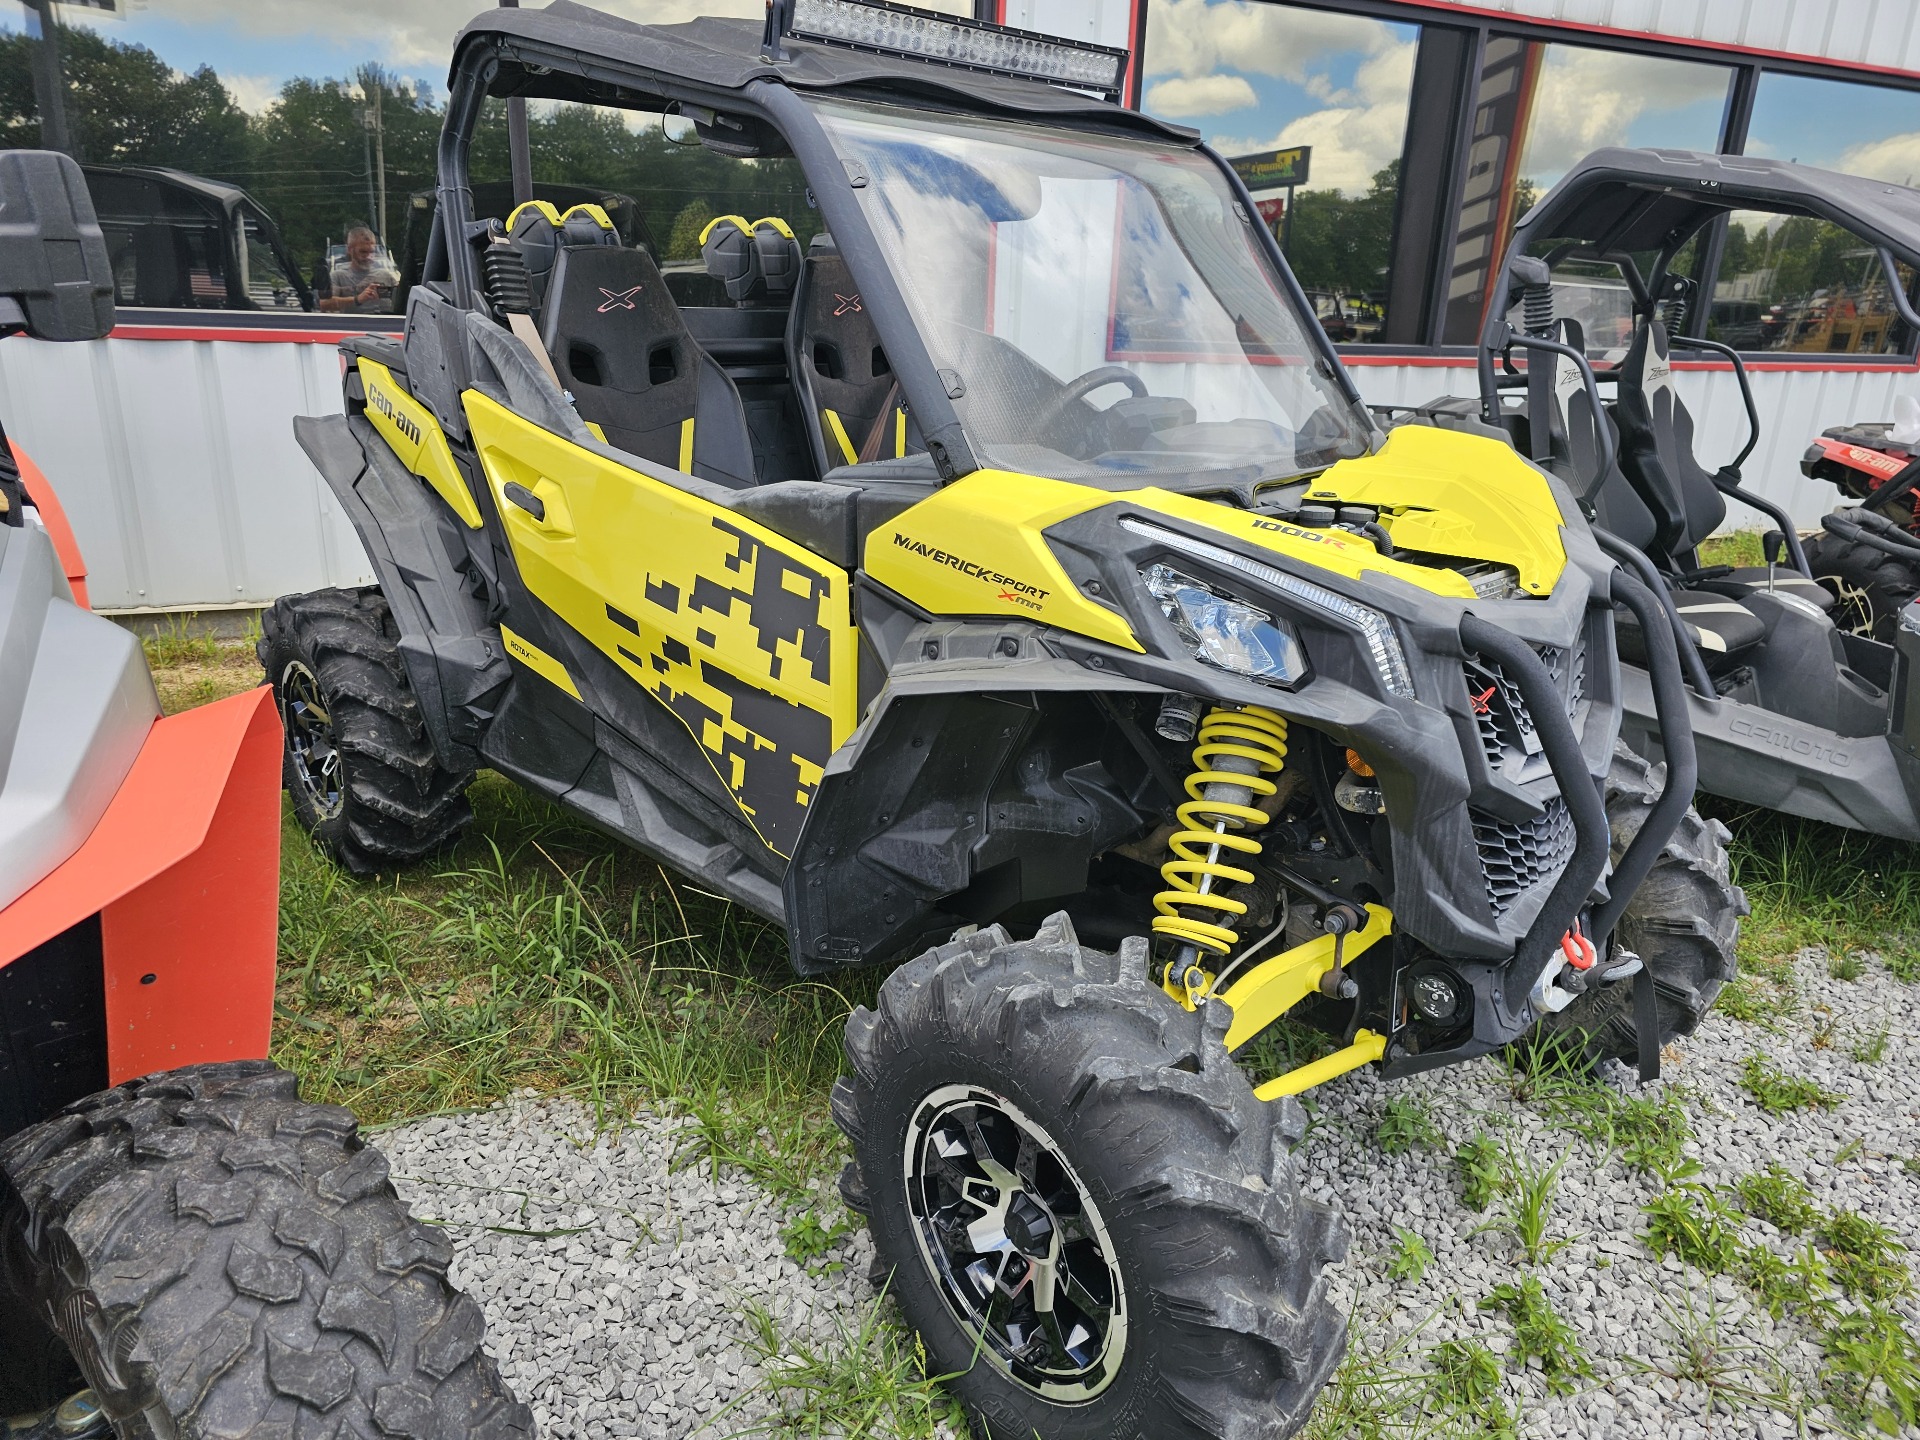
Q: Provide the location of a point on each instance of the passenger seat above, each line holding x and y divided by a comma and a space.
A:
848, 393
622, 350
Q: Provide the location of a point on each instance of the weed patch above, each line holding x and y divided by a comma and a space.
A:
869, 1379
1778, 1092
1539, 1331
1525, 1200
1404, 1123
1479, 1166
1411, 1256
1694, 1223
1778, 1198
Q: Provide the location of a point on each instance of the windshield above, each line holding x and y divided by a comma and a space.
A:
1100, 305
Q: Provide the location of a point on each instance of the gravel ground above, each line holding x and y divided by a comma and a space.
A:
615, 1287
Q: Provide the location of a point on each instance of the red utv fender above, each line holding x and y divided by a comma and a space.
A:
184, 871
58, 530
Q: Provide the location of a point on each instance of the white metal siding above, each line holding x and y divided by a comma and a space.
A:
1794, 405
1885, 33
175, 460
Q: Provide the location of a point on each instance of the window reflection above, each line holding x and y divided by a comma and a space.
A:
1794, 283
1541, 107
1255, 77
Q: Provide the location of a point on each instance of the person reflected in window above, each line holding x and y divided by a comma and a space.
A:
360, 283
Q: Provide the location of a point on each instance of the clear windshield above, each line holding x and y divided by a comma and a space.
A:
1100, 304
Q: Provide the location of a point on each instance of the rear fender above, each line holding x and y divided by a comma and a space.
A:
454, 656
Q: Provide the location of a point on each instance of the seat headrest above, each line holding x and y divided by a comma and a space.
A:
757, 261
540, 232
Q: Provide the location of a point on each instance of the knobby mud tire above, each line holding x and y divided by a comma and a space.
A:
222, 1259
1683, 923
1870, 586
397, 804
1230, 1331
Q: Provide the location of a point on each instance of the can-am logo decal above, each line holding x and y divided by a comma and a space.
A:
623, 300
1019, 592
383, 402
849, 304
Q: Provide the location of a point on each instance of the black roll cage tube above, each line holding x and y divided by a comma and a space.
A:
476, 68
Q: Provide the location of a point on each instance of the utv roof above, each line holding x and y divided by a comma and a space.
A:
591, 54
1645, 199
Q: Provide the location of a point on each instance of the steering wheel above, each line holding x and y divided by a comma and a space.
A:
1097, 378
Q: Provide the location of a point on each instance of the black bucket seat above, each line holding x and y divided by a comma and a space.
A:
1680, 499
848, 394
621, 348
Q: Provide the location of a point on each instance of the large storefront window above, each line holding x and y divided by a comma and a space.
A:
1254, 77
1541, 107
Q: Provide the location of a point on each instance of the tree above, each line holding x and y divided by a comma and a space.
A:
1342, 243
126, 106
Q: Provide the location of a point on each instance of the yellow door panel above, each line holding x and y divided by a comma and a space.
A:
743, 634
416, 437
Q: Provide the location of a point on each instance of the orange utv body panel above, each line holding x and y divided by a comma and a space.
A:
184, 871
58, 530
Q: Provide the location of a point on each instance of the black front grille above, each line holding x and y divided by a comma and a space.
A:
1515, 856
1506, 725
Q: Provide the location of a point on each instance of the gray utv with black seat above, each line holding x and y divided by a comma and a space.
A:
1007, 587
1788, 709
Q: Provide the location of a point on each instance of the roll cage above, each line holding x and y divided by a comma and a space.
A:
746, 103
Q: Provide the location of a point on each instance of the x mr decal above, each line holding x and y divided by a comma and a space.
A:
623, 300
847, 303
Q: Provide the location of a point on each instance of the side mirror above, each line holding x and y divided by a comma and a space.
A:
56, 280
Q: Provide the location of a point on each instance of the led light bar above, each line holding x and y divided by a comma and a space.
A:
888, 29
1388, 658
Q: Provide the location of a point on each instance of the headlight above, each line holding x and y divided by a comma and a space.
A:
1382, 643
1227, 634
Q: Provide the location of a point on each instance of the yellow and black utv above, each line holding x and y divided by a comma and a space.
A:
1005, 585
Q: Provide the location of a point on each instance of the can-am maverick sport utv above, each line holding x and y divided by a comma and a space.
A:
1788, 709
852, 602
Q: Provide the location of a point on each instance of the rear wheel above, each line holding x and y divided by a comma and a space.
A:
1683, 923
1870, 586
1087, 1215
220, 1258
359, 765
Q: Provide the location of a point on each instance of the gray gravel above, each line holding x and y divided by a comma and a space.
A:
632, 1324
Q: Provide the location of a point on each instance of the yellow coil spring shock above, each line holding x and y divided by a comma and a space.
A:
1236, 751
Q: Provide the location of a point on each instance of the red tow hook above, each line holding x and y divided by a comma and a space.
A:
1578, 949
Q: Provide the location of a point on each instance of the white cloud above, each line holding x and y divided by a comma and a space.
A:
252, 93
1894, 158
1193, 38
1355, 139
1186, 95
1588, 98
411, 35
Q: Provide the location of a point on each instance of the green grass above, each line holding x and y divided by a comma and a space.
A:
1777, 1092
1739, 548
1524, 1198
539, 953
1778, 1197
1451, 1392
1695, 1223
1479, 1165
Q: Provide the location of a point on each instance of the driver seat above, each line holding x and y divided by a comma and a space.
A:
1657, 458
848, 393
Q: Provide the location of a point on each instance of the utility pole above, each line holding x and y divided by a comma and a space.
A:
380, 154
519, 148
49, 80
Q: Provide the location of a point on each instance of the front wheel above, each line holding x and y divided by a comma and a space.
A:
1683, 923
1090, 1220
1869, 585
359, 765
220, 1258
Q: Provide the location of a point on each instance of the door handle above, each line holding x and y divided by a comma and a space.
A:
525, 499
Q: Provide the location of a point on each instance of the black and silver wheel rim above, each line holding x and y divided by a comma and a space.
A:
1852, 606
1015, 1244
309, 727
